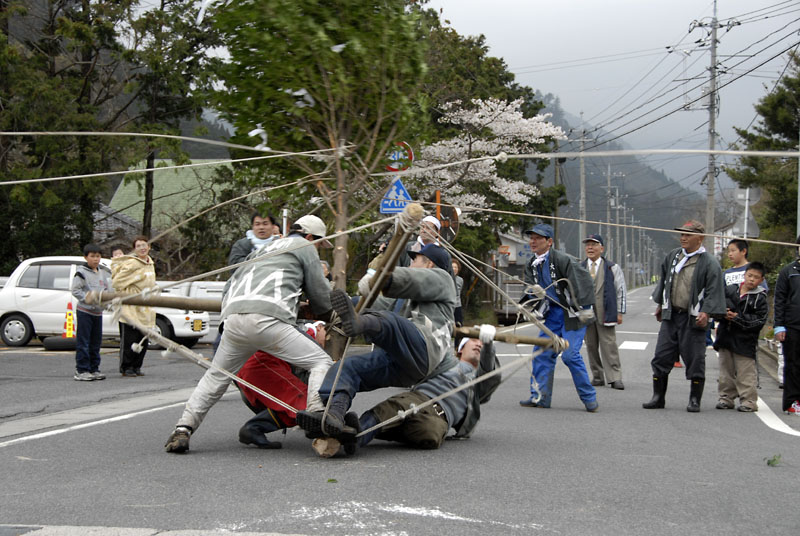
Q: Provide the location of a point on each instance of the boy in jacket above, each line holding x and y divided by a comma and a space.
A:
89, 336
737, 340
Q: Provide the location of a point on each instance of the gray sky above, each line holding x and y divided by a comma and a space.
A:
591, 53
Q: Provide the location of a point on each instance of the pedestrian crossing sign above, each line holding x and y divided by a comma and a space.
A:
395, 199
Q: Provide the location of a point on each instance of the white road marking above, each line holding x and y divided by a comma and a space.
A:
636, 332
86, 425
633, 345
773, 421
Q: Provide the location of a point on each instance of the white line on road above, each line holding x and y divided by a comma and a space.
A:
86, 425
770, 419
637, 332
633, 345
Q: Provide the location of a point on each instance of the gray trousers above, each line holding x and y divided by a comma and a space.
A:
245, 334
737, 377
601, 347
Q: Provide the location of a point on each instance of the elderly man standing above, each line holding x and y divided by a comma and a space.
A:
609, 306
689, 292
569, 289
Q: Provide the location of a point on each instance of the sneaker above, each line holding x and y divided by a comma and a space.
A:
98, 375
746, 409
678, 364
724, 405
592, 406
130, 373
178, 441
794, 409
84, 376
529, 403
138, 372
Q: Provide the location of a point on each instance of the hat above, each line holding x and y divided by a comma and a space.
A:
692, 226
434, 221
541, 229
594, 238
435, 253
314, 226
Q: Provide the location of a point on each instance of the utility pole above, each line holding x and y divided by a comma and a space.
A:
712, 118
582, 203
619, 251
625, 243
556, 182
608, 202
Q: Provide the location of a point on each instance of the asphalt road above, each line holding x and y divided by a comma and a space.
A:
80, 458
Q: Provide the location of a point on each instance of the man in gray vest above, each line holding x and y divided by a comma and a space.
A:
609, 306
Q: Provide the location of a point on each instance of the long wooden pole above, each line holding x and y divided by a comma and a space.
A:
173, 302
511, 338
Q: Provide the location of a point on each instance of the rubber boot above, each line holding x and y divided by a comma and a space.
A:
350, 442
695, 394
353, 324
659, 393
334, 426
254, 431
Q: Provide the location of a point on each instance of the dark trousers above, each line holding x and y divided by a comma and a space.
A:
128, 359
677, 337
400, 359
791, 367
88, 338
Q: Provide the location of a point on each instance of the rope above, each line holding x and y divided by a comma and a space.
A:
153, 335
516, 365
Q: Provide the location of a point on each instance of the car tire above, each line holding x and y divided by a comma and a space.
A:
164, 328
16, 330
188, 342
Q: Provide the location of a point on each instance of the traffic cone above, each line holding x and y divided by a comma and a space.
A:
69, 324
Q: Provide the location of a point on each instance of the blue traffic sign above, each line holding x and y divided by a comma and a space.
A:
396, 199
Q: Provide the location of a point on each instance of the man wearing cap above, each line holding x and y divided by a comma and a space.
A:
690, 291
410, 346
569, 289
259, 308
427, 428
609, 306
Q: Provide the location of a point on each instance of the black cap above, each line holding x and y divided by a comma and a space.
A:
594, 238
435, 253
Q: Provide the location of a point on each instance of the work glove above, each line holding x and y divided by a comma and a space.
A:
364, 282
487, 333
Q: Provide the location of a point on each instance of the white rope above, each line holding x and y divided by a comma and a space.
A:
153, 335
162, 168
516, 365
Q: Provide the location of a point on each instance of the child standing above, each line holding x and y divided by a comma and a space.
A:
737, 340
89, 277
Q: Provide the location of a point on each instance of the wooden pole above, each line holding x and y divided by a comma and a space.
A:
173, 302
511, 338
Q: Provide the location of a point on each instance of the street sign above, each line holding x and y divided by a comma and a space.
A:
448, 215
396, 199
400, 157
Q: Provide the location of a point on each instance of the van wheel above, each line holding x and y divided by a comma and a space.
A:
16, 330
164, 329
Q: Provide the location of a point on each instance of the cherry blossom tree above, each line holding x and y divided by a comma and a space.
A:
486, 128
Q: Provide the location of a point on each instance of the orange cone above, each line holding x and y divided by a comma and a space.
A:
69, 324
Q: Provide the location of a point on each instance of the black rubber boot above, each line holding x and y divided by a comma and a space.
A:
659, 393
350, 441
353, 324
311, 421
695, 394
254, 431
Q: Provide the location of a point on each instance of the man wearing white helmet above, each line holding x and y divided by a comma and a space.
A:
259, 308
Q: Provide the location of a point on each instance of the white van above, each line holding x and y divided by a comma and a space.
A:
34, 301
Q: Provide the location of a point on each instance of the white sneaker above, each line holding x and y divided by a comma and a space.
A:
84, 376
98, 375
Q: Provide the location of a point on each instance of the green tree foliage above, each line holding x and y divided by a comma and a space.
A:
320, 75
57, 62
777, 129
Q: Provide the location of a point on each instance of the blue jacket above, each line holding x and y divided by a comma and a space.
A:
614, 292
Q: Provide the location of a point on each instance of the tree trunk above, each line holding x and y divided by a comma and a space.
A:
147, 218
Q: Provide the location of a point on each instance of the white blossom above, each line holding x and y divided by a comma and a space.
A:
489, 128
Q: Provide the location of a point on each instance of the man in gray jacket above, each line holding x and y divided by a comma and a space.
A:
409, 346
428, 427
689, 292
259, 308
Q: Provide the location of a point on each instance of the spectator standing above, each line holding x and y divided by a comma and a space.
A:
569, 289
689, 291
609, 306
132, 274
787, 332
262, 232
89, 336
737, 340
